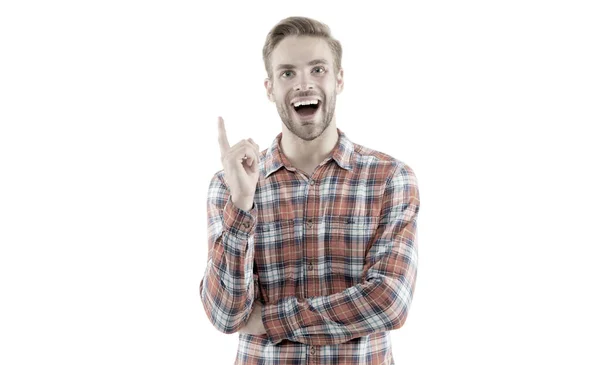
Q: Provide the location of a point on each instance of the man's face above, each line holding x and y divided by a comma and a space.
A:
303, 70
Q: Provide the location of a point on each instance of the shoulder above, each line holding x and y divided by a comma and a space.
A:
386, 164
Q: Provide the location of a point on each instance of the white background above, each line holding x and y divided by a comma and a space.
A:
108, 140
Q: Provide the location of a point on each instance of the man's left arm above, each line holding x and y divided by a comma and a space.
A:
379, 303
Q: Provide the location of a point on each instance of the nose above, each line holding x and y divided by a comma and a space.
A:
304, 85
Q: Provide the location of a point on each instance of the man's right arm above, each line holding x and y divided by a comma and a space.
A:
227, 288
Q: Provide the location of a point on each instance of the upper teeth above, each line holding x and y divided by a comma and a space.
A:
306, 102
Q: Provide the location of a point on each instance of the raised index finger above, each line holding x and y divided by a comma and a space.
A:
223, 142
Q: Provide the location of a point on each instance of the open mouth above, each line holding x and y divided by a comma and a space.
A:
308, 109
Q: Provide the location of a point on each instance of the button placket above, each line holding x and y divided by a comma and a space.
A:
310, 225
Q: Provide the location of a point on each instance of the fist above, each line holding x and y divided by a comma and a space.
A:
240, 163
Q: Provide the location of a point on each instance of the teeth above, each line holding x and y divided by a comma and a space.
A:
307, 102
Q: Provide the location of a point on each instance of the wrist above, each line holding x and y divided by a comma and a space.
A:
243, 203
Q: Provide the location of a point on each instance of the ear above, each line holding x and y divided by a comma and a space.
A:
339, 81
269, 88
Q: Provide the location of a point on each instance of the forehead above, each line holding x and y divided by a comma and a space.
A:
300, 50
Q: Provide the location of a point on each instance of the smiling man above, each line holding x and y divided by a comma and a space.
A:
305, 94
313, 241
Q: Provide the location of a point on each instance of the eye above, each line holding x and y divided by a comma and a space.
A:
321, 68
286, 72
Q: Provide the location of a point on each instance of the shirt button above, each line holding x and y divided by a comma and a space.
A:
312, 350
246, 224
312, 182
310, 266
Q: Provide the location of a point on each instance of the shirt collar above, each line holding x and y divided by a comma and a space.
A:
342, 154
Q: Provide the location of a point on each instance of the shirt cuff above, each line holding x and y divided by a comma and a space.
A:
239, 221
277, 325
280, 320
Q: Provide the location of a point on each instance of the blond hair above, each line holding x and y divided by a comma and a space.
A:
300, 26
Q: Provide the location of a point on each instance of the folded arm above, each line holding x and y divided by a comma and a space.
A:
382, 301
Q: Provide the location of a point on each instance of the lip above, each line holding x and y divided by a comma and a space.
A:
306, 119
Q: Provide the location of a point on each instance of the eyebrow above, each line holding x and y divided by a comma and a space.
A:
311, 63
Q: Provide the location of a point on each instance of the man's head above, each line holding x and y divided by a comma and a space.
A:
303, 63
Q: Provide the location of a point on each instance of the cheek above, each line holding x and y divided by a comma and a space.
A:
279, 96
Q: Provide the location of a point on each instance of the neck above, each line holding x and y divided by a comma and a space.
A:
303, 153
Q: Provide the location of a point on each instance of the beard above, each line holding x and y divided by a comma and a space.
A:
314, 130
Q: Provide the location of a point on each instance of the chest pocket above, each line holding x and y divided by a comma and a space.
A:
347, 239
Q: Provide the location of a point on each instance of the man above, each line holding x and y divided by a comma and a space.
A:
312, 242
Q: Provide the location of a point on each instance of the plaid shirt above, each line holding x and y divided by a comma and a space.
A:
332, 256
